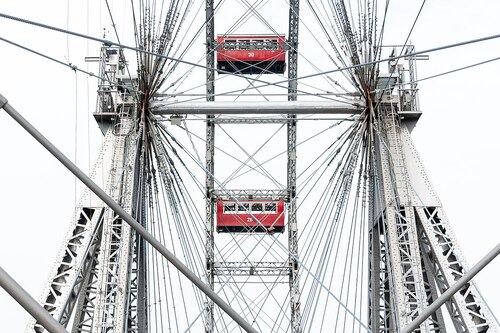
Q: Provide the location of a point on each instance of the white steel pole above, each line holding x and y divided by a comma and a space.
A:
29, 303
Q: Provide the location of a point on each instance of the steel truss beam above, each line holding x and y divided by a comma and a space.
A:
209, 160
115, 256
78, 251
468, 311
258, 194
449, 293
249, 268
77, 280
379, 289
255, 120
291, 107
400, 277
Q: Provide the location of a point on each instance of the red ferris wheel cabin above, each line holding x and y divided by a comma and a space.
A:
251, 54
250, 216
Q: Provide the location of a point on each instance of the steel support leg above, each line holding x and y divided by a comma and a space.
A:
293, 43
209, 161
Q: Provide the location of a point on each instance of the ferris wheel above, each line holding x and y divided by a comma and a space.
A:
261, 158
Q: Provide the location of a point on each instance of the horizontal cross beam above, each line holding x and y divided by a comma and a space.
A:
253, 107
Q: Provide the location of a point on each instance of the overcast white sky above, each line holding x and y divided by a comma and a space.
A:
457, 135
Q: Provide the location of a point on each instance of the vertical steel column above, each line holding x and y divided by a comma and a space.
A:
378, 289
138, 294
405, 264
116, 248
374, 259
293, 43
209, 162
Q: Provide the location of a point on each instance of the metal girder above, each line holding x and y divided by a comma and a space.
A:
396, 215
381, 317
293, 48
291, 107
436, 319
209, 160
114, 259
458, 287
250, 194
60, 295
86, 301
467, 309
249, 268
209, 218
77, 252
210, 48
94, 272
250, 121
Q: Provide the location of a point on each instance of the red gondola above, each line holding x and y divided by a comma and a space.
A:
250, 216
251, 54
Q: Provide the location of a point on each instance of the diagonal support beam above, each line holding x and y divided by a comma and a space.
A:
124, 215
452, 290
27, 302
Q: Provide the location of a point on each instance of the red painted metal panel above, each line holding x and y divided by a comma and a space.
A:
250, 216
251, 53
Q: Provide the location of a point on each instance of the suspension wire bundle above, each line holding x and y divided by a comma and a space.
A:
340, 155
339, 209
